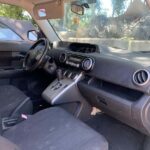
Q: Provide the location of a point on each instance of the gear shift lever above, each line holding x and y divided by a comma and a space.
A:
59, 74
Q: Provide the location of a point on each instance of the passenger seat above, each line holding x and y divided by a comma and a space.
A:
53, 129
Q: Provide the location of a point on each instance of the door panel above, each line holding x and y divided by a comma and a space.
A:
11, 60
12, 54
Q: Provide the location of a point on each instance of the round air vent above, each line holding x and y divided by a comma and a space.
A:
141, 77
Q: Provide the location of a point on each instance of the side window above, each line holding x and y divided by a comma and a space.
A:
16, 24
5, 31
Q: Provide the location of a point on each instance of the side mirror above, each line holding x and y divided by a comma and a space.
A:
32, 35
77, 9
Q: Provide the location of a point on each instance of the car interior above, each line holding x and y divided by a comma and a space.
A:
63, 95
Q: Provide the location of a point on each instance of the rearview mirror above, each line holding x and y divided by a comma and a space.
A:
77, 9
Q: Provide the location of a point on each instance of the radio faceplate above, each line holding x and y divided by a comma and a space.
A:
77, 61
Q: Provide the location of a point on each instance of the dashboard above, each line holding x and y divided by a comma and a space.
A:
118, 86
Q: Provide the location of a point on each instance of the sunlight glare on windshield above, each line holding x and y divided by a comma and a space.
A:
107, 6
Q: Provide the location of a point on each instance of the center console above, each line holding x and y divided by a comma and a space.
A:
63, 88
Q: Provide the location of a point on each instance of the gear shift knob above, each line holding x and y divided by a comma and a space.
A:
59, 74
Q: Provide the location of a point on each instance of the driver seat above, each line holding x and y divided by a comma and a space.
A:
13, 102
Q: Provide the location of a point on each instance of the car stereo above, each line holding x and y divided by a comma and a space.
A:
77, 61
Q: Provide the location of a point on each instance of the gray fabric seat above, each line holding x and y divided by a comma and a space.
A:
55, 129
13, 101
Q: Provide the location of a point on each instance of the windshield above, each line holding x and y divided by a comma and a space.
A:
123, 24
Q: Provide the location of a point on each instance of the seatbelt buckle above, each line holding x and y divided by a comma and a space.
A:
23, 116
8, 123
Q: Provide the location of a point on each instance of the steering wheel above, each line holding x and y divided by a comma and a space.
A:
36, 54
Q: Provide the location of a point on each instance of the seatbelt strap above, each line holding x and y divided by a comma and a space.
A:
19, 107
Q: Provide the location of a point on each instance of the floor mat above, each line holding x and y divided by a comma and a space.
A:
118, 135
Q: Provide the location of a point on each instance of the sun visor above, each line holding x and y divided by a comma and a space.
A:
53, 9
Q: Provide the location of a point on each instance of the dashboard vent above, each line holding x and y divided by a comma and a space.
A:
141, 77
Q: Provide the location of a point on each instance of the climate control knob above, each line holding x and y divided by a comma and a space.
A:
87, 64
